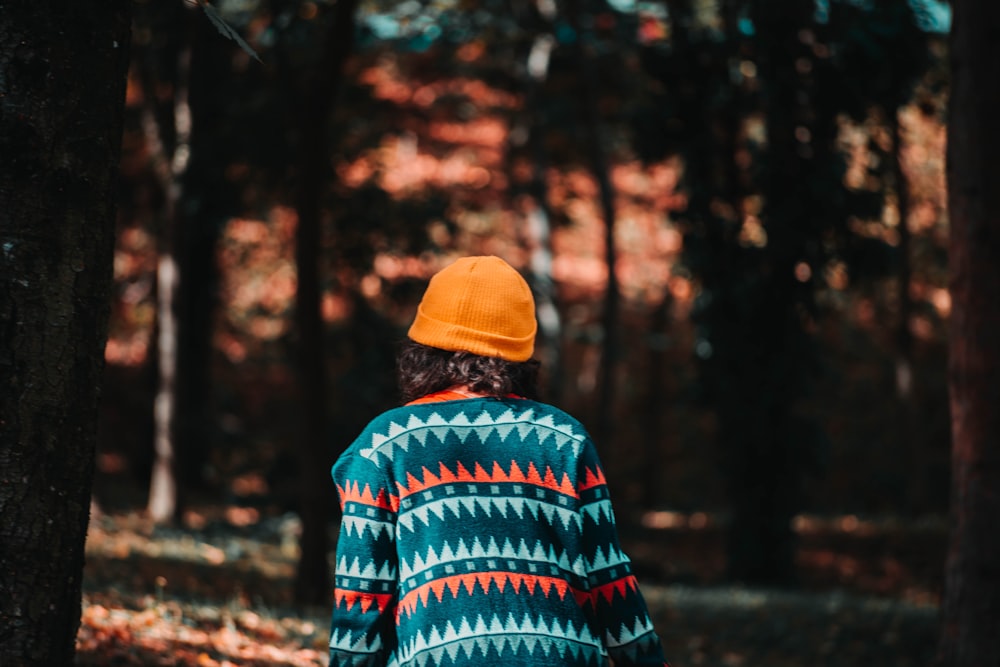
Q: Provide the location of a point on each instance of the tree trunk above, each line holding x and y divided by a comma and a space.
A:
972, 585
204, 209
195, 211
658, 344
536, 232
904, 339
763, 438
748, 336
587, 71
907, 417
61, 110
170, 145
311, 95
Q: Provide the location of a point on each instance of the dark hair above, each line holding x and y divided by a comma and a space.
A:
423, 370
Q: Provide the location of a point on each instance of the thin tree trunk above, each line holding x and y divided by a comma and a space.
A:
170, 163
311, 101
207, 202
537, 229
61, 112
906, 415
972, 582
539, 245
314, 494
904, 339
194, 188
656, 389
162, 503
587, 71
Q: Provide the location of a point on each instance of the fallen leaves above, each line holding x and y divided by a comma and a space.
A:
217, 594
123, 630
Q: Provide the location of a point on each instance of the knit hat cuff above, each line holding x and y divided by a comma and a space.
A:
457, 338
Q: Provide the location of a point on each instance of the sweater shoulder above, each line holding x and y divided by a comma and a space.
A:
399, 422
397, 437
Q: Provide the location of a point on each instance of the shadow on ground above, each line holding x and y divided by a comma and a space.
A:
220, 595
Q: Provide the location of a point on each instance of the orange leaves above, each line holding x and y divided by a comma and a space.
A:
175, 634
481, 131
389, 83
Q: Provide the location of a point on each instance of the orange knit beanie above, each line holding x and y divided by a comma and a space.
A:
480, 305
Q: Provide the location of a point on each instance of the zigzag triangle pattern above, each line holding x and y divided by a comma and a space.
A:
481, 530
437, 423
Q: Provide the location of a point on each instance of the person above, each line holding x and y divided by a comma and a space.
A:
476, 522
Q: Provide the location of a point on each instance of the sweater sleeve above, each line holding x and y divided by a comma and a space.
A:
619, 610
362, 630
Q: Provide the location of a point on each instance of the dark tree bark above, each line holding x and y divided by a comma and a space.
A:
207, 202
761, 479
750, 343
972, 586
311, 91
536, 233
762, 435
597, 156
658, 343
62, 83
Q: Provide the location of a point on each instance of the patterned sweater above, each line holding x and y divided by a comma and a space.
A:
481, 530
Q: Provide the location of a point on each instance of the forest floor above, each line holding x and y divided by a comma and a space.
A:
217, 592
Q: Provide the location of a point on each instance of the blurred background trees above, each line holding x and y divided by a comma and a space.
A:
732, 213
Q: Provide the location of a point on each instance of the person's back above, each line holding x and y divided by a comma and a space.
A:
477, 526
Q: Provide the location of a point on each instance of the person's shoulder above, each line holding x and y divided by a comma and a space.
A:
403, 419
382, 428
550, 415
391, 422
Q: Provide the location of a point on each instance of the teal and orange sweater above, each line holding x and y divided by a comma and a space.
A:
481, 530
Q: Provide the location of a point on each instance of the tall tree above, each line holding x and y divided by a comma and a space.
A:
168, 132
752, 350
198, 198
538, 17
311, 86
587, 71
208, 199
61, 109
764, 436
972, 586
754, 93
